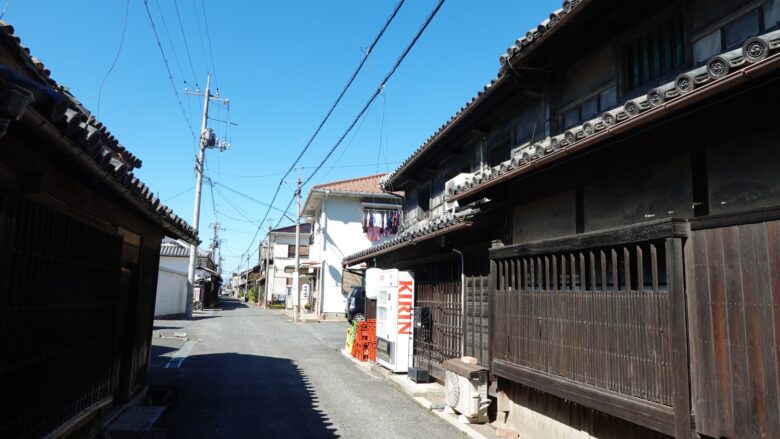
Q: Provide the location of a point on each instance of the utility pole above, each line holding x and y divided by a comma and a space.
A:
207, 140
267, 262
215, 241
297, 278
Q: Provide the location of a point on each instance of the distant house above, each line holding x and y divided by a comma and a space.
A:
172, 280
280, 272
347, 216
80, 242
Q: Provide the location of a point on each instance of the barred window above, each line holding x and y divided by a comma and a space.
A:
499, 152
654, 54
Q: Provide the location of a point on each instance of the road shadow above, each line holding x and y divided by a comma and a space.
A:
160, 328
227, 304
235, 395
159, 355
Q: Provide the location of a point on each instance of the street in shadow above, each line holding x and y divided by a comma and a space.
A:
234, 395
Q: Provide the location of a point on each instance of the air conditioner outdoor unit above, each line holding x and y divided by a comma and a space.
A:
466, 390
457, 183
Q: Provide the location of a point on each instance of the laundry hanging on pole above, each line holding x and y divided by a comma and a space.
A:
380, 223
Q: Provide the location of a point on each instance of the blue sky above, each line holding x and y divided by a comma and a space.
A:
281, 64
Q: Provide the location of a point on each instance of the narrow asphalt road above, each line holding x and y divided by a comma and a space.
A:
253, 373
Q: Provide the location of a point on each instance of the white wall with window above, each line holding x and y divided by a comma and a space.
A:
345, 222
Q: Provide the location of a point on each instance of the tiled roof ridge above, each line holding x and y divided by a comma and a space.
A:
754, 50
60, 108
521, 44
305, 228
534, 35
347, 180
177, 249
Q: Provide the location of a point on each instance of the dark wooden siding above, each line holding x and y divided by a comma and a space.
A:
438, 288
599, 319
734, 311
58, 309
477, 326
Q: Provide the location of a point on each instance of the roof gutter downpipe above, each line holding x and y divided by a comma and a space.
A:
462, 302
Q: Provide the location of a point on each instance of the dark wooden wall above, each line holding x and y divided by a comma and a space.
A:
438, 288
477, 328
733, 292
78, 273
598, 319
58, 309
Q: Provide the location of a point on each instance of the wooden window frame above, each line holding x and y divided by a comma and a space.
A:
579, 101
649, 24
504, 140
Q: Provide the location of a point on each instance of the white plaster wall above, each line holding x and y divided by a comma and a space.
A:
280, 250
171, 292
176, 263
343, 235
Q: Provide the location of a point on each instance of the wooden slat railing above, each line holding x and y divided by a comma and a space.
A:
592, 318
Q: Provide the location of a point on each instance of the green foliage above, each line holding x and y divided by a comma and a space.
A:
276, 306
252, 295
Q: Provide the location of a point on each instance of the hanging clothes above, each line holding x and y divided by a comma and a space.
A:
380, 223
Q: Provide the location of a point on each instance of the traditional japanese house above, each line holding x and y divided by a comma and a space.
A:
624, 167
79, 249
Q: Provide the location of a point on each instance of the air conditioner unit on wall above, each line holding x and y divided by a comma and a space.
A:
466, 390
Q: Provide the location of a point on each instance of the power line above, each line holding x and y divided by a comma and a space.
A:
336, 102
184, 37
168, 69
170, 42
116, 58
275, 174
381, 86
200, 33
208, 38
286, 211
178, 194
213, 200
363, 110
247, 196
344, 152
247, 217
5, 8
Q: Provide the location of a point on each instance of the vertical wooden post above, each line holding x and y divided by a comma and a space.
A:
491, 302
679, 338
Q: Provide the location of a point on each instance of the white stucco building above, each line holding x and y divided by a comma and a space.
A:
172, 278
346, 216
282, 262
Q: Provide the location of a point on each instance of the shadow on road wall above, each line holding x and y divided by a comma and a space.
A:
234, 395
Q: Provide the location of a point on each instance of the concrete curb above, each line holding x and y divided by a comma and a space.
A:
419, 395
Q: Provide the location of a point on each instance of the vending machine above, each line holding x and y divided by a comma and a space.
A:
394, 293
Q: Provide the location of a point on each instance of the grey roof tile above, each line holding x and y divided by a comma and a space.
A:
65, 112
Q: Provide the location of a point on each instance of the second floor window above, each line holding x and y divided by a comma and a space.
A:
424, 200
590, 107
732, 34
653, 54
291, 251
499, 152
